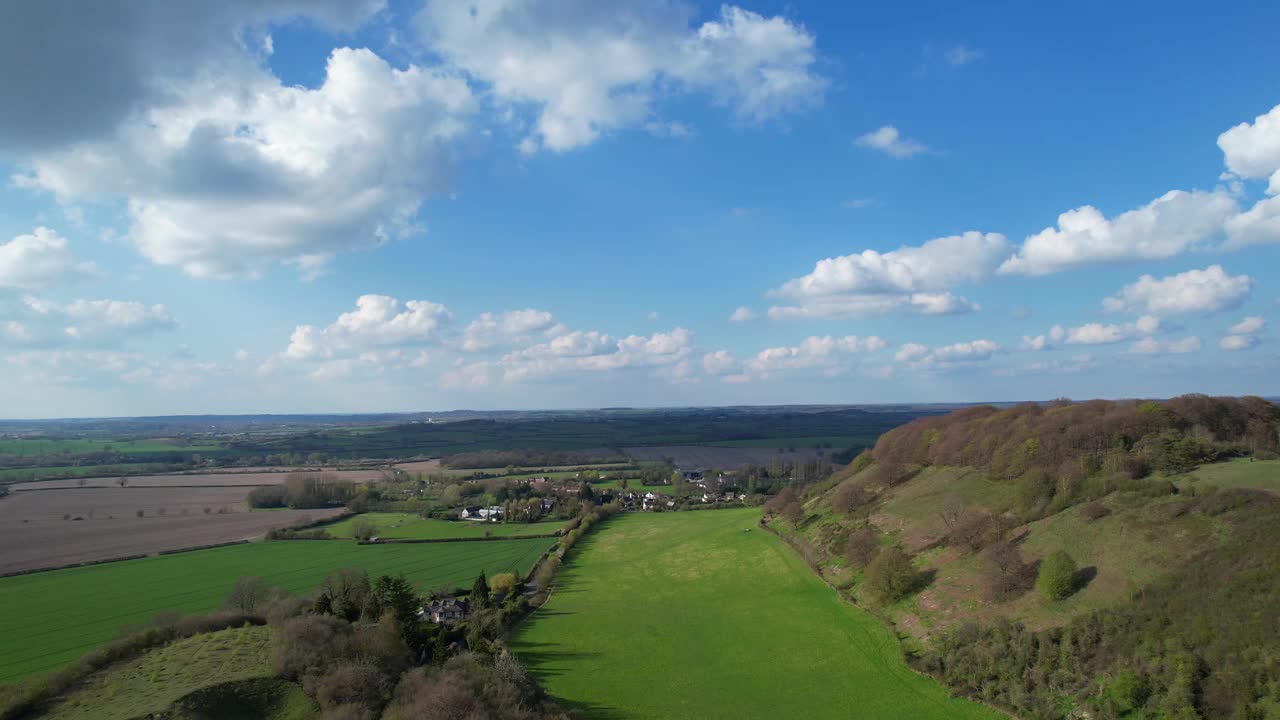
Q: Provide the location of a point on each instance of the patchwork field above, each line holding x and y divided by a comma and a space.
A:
204, 479
704, 615
409, 526
34, 533
706, 456
54, 617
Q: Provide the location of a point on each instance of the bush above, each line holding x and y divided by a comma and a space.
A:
1094, 511
890, 576
976, 529
364, 529
1057, 577
849, 497
1004, 573
861, 547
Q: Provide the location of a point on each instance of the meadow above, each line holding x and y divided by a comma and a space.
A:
1239, 473
54, 617
695, 615
414, 527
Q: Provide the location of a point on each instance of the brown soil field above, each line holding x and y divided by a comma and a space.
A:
422, 466
704, 456
34, 534
190, 480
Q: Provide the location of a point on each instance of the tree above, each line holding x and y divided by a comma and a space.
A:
248, 594
890, 576
1004, 571
394, 596
862, 546
503, 583
1057, 578
363, 529
344, 593
480, 592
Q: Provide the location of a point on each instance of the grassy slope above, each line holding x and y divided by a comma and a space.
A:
154, 681
685, 615
1242, 473
410, 526
54, 617
1137, 543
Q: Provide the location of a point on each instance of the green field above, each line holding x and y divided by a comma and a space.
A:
1240, 473
698, 615
54, 617
72, 446
410, 526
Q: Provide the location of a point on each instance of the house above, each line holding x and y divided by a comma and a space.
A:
443, 611
548, 504
482, 514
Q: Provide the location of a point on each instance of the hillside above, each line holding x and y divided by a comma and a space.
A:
1165, 511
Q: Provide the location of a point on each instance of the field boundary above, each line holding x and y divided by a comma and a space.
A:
414, 541
87, 563
203, 547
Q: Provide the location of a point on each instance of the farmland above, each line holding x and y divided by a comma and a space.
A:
54, 617
756, 635
407, 526
205, 479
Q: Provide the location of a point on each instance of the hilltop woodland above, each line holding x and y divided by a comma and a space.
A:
973, 533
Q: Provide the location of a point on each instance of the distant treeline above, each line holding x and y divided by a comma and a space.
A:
526, 458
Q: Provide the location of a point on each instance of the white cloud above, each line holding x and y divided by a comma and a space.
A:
240, 171
1034, 343
947, 356
34, 261
909, 279
889, 141
46, 323
1259, 225
720, 362
910, 352
593, 351
742, 314
378, 320
967, 351
961, 55
490, 330
1105, 334
1195, 291
1238, 342
1152, 346
1249, 325
116, 60
1173, 223
816, 351
587, 68
1252, 150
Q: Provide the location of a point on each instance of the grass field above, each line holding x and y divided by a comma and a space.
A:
151, 683
54, 617
704, 615
49, 446
1240, 473
410, 526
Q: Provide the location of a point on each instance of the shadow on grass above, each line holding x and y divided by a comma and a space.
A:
1082, 578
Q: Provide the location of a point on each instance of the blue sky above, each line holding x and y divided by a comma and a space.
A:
340, 206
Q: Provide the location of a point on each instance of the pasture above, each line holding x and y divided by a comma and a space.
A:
696, 615
414, 527
54, 617
1239, 473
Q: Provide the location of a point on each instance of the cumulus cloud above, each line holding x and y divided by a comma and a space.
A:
378, 321
34, 261
742, 314
910, 279
1152, 346
720, 362
816, 351
1106, 334
947, 356
961, 55
1238, 342
115, 60
1172, 224
1195, 291
492, 330
587, 68
1252, 150
889, 141
47, 323
1249, 325
241, 172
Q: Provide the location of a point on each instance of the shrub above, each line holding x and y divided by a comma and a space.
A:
1057, 576
249, 594
890, 576
861, 547
849, 497
503, 583
1004, 573
363, 529
976, 529
1094, 511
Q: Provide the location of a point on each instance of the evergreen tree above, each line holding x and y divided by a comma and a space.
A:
1057, 578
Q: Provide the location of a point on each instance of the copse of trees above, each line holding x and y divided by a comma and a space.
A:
524, 458
304, 490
